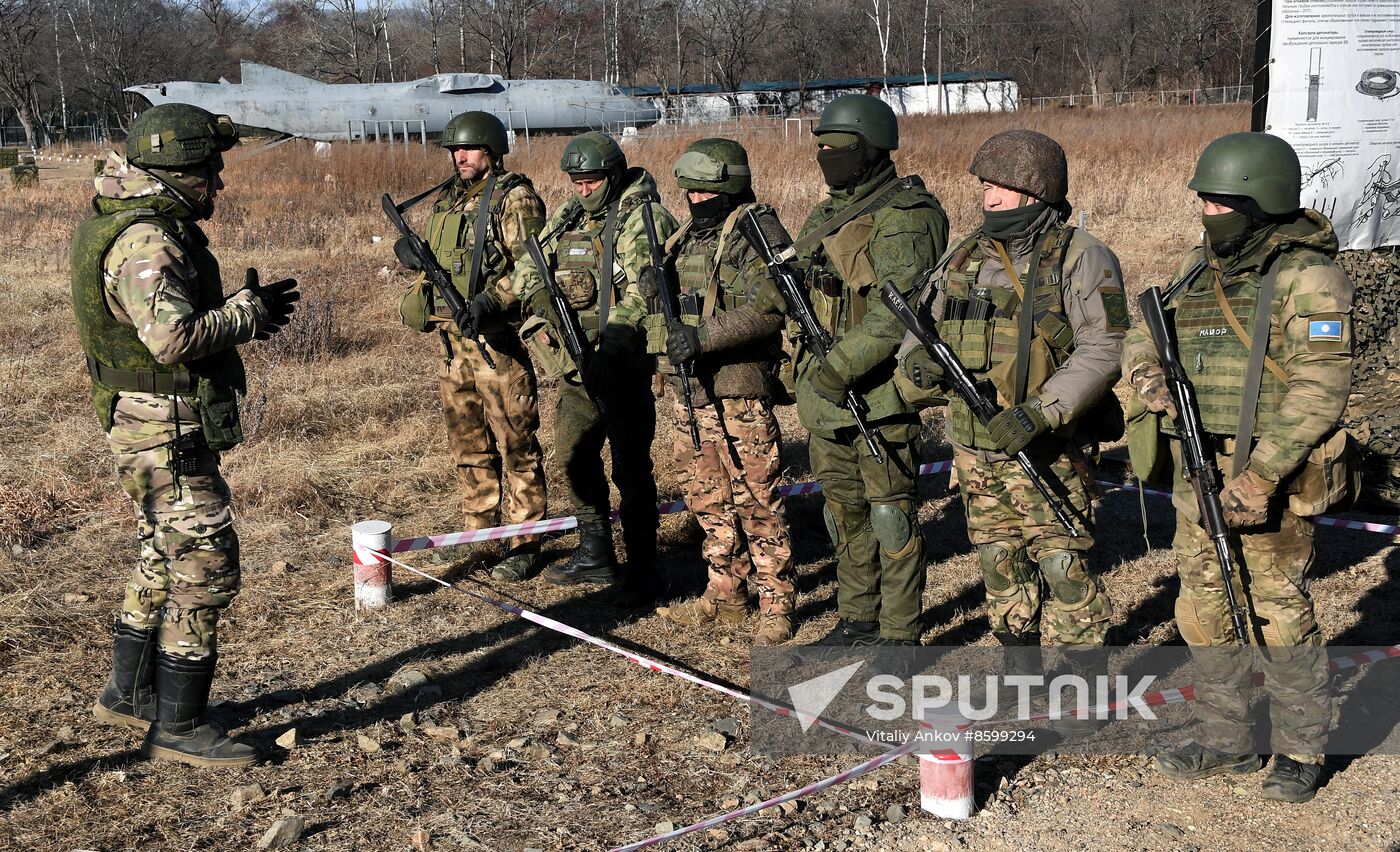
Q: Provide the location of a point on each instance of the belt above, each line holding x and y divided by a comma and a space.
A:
142, 381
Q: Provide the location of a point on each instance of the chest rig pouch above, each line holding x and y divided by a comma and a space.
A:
451, 234
708, 276
985, 325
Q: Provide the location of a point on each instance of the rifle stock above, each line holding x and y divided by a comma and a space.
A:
813, 335
1197, 457
981, 400
437, 276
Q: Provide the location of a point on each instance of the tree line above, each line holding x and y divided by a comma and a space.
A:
64, 63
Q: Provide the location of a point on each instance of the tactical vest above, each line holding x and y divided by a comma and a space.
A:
451, 233
707, 277
579, 256
1214, 356
988, 347
117, 359
842, 263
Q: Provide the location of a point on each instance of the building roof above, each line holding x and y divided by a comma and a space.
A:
810, 85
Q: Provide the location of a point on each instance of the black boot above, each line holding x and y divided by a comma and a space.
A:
848, 634
1021, 656
1088, 664
182, 730
128, 698
639, 585
593, 560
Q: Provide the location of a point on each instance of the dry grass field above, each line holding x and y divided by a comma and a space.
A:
523, 738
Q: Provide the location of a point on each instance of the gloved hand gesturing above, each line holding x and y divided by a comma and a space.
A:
278, 299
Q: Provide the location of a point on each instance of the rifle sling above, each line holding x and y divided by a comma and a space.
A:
875, 200
1026, 328
483, 223
605, 284
1254, 371
413, 202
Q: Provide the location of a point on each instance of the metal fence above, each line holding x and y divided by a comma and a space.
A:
12, 136
1158, 97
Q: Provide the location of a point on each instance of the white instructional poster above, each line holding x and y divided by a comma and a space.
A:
1334, 94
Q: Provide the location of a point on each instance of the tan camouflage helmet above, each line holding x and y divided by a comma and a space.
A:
714, 165
1025, 161
178, 136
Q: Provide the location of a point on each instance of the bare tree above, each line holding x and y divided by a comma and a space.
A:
21, 22
728, 31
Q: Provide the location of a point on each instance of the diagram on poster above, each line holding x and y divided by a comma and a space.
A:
1334, 94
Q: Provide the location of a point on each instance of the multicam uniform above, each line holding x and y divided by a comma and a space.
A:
870, 507
492, 414
1079, 318
577, 241
151, 313
731, 484
1295, 430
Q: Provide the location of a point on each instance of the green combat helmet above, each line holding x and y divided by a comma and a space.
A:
476, 130
867, 117
178, 136
714, 165
593, 151
1254, 165
1025, 161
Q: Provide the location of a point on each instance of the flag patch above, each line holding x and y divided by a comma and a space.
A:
1325, 331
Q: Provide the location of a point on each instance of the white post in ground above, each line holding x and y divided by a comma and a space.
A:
945, 776
374, 583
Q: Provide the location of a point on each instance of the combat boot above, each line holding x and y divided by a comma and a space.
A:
774, 628
707, 610
1193, 761
592, 561
517, 567
128, 699
182, 731
1088, 664
1291, 781
847, 634
639, 585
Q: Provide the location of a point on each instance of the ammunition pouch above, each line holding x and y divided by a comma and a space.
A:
546, 350
1328, 480
579, 286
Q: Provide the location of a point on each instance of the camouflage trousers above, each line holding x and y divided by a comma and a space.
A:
188, 569
1024, 552
492, 420
871, 518
731, 486
1274, 561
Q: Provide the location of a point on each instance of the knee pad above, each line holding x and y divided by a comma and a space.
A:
894, 527
1070, 584
1002, 566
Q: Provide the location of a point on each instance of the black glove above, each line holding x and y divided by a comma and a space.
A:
682, 342
278, 299
475, 312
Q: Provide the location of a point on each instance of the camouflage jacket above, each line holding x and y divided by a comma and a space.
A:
1090, 300
718, 272
1310, 339
631, 254
148, 282
517, 214
845, 272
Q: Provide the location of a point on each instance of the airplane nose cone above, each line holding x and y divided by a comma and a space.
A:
642, 112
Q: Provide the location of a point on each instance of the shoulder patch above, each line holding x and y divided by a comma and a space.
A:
1115, 308
1328, 333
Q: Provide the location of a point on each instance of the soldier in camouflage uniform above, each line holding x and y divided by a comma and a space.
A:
160, 340
731, 484
492, 414
1256, 232
1052, 380
597, 246
874, 227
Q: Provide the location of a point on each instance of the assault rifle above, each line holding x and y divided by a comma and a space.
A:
670, 308
978, 395
575, 340
1197, 457
414, 253
768, 245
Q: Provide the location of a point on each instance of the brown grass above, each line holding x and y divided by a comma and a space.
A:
344, 425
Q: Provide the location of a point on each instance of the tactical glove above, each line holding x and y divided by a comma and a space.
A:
278, 299
539, 304
829, 384
1245, 499
921, 369
768, 299
1011, 430
479, 310
1150, 382
403, 250
683, 342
